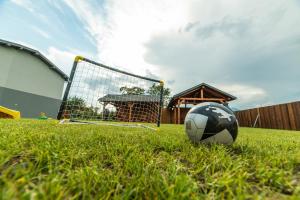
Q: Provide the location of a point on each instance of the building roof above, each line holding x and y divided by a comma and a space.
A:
36, 54
197, 87
129, 98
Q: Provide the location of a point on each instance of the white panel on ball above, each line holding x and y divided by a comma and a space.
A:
190, 126
200, 121
199, 134
190, 116
224, 137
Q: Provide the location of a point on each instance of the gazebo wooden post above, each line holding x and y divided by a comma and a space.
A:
175, 110
130, 110
103, 110
178, 119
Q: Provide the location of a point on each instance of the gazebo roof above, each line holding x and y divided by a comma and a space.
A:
129, 98
193, 90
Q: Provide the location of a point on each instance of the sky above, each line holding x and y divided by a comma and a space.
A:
249, 48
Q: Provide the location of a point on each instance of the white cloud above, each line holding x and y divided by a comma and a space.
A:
122, 28
57, 5
247, 95
26, 44
27, 4
236, 43
247, 43
41, 32
63, 59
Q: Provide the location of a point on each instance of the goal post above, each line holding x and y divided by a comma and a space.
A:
96, 92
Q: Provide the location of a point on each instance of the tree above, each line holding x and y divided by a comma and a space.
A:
75, 101
132, 90
155, 89
77, 107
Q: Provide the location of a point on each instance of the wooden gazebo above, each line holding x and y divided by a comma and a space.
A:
178, 105
133, 108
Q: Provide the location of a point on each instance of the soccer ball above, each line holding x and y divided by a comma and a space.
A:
211, 123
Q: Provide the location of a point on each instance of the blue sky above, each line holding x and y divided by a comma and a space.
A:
43, 24
248, 48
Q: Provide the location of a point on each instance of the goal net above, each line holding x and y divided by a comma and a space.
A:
96, 93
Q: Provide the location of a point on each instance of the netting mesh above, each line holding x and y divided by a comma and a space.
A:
100, 93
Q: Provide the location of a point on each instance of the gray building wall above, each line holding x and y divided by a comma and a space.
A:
30, 105
27, 84
28, 73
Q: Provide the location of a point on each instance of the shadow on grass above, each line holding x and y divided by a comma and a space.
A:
238, 150
13, 161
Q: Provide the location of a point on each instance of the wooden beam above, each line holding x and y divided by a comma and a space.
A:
201, 92
203, 99
215, 93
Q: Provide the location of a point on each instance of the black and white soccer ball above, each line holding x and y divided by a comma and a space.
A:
211, 123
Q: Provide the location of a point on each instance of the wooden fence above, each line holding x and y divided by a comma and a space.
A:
168, 115
282, 116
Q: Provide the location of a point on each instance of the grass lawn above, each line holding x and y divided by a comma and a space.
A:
45, 160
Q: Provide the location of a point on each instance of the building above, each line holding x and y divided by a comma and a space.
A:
133, 108
29, 82
182, 102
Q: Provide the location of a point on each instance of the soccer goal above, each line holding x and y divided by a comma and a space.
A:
99, 93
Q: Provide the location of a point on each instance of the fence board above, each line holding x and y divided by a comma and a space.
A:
285, 117
262, 118
296, 109
273, 117
291, 116
282, 116
267, 117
